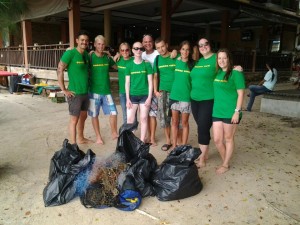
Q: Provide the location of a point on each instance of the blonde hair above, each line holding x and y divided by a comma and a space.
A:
100, 38
126, 44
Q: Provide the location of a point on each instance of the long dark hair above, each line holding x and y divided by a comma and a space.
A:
270, 64
230, 62
191, 61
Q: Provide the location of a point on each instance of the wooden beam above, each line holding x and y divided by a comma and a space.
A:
166, 5
74, 20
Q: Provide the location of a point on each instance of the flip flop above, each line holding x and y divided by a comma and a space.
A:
166, 147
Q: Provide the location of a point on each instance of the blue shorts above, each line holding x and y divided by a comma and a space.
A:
105, 101
138, 99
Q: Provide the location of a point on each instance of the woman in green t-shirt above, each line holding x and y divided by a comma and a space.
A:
180, 93
202, 96
122, 58
229, 88
139, 88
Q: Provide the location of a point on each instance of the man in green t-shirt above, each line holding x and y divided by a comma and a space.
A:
100, 92
164, 65
76, 61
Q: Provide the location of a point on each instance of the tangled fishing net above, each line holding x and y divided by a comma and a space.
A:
101, 190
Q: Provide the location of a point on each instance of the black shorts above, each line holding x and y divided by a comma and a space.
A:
78, 103
138, 99
225, 120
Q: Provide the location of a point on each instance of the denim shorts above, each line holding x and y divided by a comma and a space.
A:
105, 101
78, 103
138, 99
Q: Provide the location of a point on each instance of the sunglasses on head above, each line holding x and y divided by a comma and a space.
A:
125, 50
203, 45
136, 48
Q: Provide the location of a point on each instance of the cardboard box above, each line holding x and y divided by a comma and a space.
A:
57, 97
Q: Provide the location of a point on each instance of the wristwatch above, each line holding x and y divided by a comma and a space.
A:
237, 110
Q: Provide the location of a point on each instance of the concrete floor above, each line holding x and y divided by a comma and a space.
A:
262, 186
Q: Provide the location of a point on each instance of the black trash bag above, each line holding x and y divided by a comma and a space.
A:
142, 164
177, 177
138, 176
64, 166
130, 145
128, 126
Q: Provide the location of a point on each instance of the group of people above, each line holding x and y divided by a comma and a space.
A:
158, 84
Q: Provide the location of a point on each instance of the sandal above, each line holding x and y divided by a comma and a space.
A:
166, 147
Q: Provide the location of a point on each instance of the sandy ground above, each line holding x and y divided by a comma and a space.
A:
262, 186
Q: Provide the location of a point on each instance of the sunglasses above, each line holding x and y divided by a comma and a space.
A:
125, 50
203, 45
136, 48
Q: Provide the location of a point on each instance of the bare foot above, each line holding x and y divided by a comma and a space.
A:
114, 136
84, 141
201, 163
222, 169
171, 149
153, 143
99, 141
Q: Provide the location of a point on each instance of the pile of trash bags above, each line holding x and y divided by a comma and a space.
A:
123, 179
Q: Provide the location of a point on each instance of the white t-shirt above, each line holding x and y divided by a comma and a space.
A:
150, 57
268, 79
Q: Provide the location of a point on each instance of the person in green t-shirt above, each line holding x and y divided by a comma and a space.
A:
139, 88
202, 96
100, 92
122, 58
163, 69
229, 88
76, 61
180, 93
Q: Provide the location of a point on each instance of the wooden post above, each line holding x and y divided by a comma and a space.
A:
166, 6
107, 26
224, 29
27, 41
74, 20
254, 61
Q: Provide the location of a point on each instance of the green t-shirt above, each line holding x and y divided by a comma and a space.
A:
226, 93
166, 66
121, 73
202, 78
138, 77
100, 82
182, 83
78, 70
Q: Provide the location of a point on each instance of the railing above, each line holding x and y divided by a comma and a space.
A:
48, 56
256, 62
39, 56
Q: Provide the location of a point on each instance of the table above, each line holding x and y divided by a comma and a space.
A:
4, 77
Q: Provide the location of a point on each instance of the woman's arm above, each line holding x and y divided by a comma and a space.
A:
236, 114
127, 90
150, 90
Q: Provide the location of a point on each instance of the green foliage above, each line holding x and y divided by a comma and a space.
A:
11, 11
